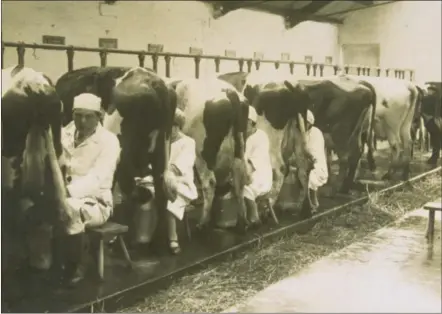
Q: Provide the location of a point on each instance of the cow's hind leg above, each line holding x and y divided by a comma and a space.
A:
353, 163
436, 141
239, 175
339, 187
208, 185
406, 155
394, 142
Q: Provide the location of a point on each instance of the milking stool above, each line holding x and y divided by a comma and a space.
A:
109, 229
432, 207
265, 201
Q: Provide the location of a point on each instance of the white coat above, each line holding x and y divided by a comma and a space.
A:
90, 168
316, 146
258, 154
182, 156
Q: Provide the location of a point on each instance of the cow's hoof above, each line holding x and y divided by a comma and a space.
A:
202, 227
386, 177
432, 161
255, 224
298, 205
242, 226
314, 210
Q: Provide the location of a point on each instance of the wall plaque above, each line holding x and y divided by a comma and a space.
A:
108, 43
230, 53
285, 56
308, 59
155, 48
54, 40
195, 51
258, 55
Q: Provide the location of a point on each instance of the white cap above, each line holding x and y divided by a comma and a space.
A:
310, 117
252, 114
87, 101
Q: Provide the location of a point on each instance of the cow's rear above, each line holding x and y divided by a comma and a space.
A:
397, 102
216, 118
31, 130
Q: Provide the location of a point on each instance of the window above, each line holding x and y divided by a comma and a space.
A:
155, 48
54, 40
308, 59
108, 43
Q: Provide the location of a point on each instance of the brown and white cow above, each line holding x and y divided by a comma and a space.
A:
344, 110
216, 118
139, 108
281, 114
91, 79
341, 107
31, 148
396, 102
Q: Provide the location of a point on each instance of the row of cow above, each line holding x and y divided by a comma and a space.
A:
140, 106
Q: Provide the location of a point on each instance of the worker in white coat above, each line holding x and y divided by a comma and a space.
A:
316, 147
259, 165
181, 163
91, 153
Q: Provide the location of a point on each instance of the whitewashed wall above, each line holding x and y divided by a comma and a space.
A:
409, 34
176, 25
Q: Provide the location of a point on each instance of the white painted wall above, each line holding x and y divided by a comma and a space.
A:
177, 25
409, 34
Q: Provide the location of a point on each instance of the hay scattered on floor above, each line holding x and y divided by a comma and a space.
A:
231, 282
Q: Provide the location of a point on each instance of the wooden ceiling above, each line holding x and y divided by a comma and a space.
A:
295, 12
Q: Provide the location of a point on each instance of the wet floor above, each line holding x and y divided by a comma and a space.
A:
35, 293
392, 270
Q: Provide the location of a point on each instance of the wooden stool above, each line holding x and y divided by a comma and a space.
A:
109, 229
432, 207
266, 202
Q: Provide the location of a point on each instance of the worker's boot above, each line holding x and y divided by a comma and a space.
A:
252, 212
74, 267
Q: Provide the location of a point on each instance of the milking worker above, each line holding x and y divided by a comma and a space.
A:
259, 165
181, 163
316, 147
91, 153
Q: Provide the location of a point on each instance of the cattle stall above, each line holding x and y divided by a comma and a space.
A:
207, 63
156, 59
162, 63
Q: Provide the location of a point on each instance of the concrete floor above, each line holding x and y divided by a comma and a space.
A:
392, 270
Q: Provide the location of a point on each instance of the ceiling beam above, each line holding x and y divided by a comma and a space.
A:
313, 7
291, 17
364, 2
292, 21
221, 8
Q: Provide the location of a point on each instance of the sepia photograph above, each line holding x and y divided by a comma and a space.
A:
221, 156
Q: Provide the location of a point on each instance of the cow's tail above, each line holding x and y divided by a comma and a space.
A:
416, 97
417, 125
55, 166
370, 138
239, 124
34, 160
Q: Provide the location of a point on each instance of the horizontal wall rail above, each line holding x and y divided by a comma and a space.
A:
312, 69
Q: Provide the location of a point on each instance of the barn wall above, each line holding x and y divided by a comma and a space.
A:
409, 34
177, 25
